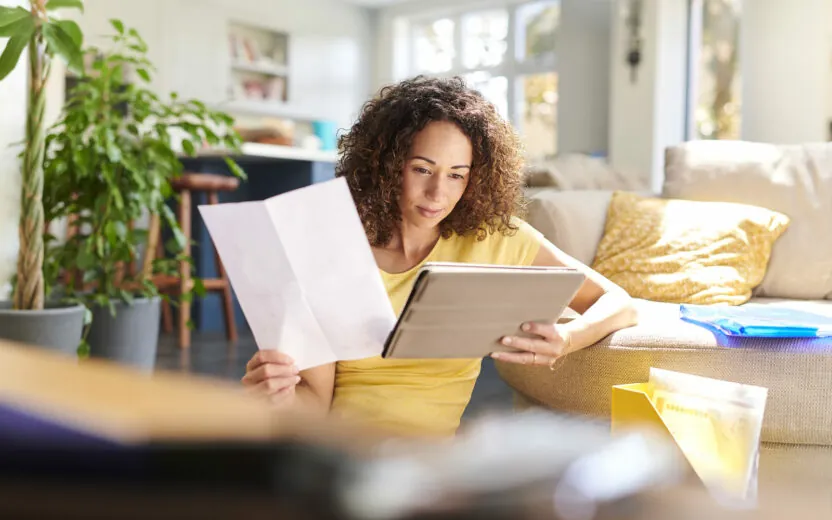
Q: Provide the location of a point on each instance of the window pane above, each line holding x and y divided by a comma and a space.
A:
537, 28
717, 98
538, 113
434, 46
494, 89
484, 38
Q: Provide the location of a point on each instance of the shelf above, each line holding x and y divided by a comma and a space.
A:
268, 70
257, 62
269, 108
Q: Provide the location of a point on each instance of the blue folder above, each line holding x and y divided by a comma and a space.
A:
761, 321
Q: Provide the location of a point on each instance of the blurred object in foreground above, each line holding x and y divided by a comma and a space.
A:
94, 440
531, 465
716, 425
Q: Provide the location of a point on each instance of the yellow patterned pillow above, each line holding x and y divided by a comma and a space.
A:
684, 251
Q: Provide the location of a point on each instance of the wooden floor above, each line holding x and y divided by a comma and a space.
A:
212, 355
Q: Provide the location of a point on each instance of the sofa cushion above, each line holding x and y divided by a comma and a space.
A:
797, 372
795, 180
583, 172
572, 220
684, 251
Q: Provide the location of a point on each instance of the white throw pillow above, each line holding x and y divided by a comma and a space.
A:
573, 220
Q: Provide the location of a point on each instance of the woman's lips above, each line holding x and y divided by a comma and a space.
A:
429, 213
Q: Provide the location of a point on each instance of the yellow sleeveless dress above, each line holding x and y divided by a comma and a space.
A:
424, 397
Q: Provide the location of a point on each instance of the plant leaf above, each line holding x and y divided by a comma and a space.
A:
83, 350
58, 4
11, 54
144, 74
126, 296
85, 260
235, 168
63, 45
72, 29
117, 25
199, 287
10, 17
189, 147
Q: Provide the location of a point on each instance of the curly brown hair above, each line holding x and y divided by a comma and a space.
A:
374, 151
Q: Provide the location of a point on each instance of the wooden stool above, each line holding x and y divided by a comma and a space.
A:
186, 185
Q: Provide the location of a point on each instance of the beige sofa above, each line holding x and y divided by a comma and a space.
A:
795, 180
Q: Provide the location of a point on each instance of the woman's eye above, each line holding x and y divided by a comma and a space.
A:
457, 176
421, 170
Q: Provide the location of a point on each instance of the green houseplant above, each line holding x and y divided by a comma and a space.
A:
110, 162
30, 318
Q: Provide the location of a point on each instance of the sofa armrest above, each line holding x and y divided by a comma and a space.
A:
573, 220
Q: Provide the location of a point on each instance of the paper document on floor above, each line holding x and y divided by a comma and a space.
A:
304, 274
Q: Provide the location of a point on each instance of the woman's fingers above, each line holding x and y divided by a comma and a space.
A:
274, 386
522, 358
268, 356
271, 375
534, 345
542, 349
544, 330
269, 371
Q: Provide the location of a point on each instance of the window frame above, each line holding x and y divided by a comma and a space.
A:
512, 68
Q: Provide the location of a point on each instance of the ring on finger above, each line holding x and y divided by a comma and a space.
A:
534, 358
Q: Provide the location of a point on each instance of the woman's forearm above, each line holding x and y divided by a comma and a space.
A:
614, 310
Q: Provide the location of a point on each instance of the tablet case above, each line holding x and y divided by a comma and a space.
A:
463, 310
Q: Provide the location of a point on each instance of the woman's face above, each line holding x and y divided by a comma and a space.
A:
435, 175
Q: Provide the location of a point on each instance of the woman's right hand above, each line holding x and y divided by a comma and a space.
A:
273, 375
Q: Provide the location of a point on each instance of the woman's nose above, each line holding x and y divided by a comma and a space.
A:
435, 187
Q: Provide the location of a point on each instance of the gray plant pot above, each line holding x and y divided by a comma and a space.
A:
130, 337
57, 327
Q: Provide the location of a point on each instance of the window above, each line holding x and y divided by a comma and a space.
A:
434, 46
714, 86
506, 52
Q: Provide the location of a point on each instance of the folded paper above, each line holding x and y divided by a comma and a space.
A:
304, 273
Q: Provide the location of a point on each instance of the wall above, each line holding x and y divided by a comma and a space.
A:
647, 113
12, 130
787, 58
583, 62
584, 75
330, 46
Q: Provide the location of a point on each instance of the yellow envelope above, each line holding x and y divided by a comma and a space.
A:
718, 438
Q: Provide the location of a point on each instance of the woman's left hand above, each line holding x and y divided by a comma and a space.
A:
548, 343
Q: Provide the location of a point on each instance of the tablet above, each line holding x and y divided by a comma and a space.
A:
463, 310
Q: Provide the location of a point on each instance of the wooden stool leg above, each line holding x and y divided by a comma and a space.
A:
185, 269
155, 250
227, 301
167, 317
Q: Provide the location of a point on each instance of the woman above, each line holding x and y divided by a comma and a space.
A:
435, 175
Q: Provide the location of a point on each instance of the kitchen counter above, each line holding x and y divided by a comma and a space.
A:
273, 151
